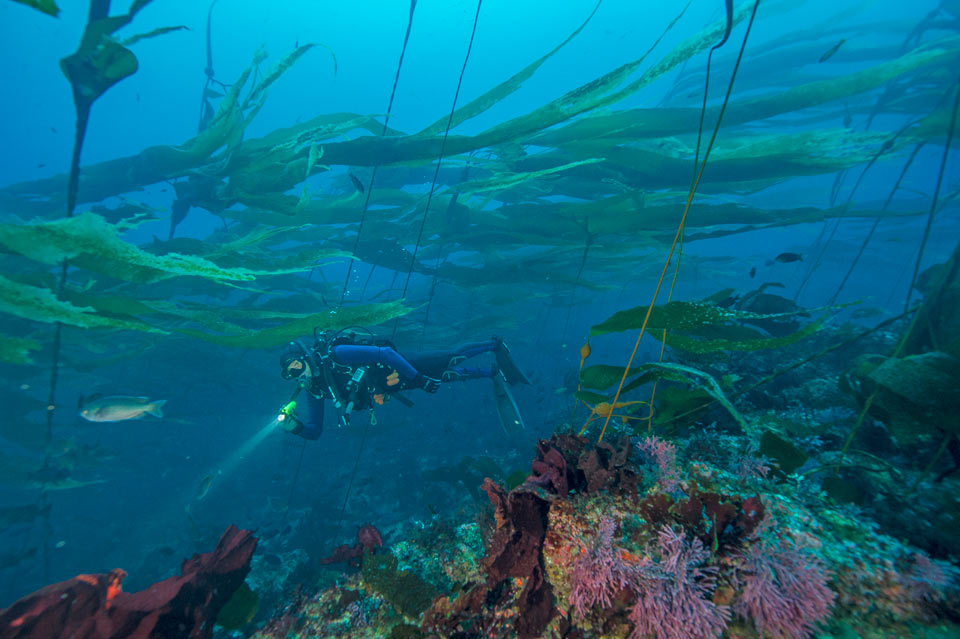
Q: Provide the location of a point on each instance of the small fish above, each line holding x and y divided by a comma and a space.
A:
41, 165
357, 183
753, 272
53, 129
204, 486
120, 408
785, 258
829, 54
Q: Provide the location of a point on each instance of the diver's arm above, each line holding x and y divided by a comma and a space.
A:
359, 355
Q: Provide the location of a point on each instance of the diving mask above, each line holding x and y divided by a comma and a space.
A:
294, 368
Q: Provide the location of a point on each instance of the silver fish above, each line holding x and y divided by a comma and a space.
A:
119, 408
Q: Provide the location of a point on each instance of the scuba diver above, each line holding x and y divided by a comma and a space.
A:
359, 373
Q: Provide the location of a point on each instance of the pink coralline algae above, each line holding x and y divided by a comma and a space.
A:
664, 456
600, 573
672, 594
782, 590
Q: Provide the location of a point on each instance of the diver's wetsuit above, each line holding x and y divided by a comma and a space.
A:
440, 365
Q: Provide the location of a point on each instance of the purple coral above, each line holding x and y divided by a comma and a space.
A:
783, 590
600, 572
671, 601
664, 455
927, 579
750, 467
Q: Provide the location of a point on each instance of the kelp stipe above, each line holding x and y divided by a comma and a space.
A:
373, 175
686, 210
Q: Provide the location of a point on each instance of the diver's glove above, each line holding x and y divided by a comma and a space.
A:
429, 384
287, 419
291, 425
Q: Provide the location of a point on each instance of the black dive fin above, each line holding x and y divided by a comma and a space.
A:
510, 417
505, 363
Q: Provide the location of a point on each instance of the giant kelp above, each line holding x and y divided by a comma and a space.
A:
548, 213
700, 327
40, 304
89, 242
624, 203
588, 98
16, 350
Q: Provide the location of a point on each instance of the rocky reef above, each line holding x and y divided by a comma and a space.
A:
634, 540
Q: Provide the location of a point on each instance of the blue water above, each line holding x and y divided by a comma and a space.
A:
145, 516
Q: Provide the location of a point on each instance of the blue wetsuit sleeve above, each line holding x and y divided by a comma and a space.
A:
359, 355
313, 426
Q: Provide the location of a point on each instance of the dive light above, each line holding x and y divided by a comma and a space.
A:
286, 416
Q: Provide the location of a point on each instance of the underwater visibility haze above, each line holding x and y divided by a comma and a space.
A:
479, 319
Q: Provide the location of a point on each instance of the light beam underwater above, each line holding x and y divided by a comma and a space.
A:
231, 463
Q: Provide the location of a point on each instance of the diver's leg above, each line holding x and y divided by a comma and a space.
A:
466, 351
438, 363
505, 362
463, 373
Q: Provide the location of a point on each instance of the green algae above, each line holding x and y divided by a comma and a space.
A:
508, 181
604, 376
678, 407
503, 90
785, 453
16, 350
152, 34
664, 122
915, 395
404, 590
703, 346
41, 305
590, 397
48, 7
363, 315
240, 609
515, 479
293, 144
678, 316
89, 242
406, 631
711, 328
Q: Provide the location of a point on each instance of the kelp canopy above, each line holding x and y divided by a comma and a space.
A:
574, 194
